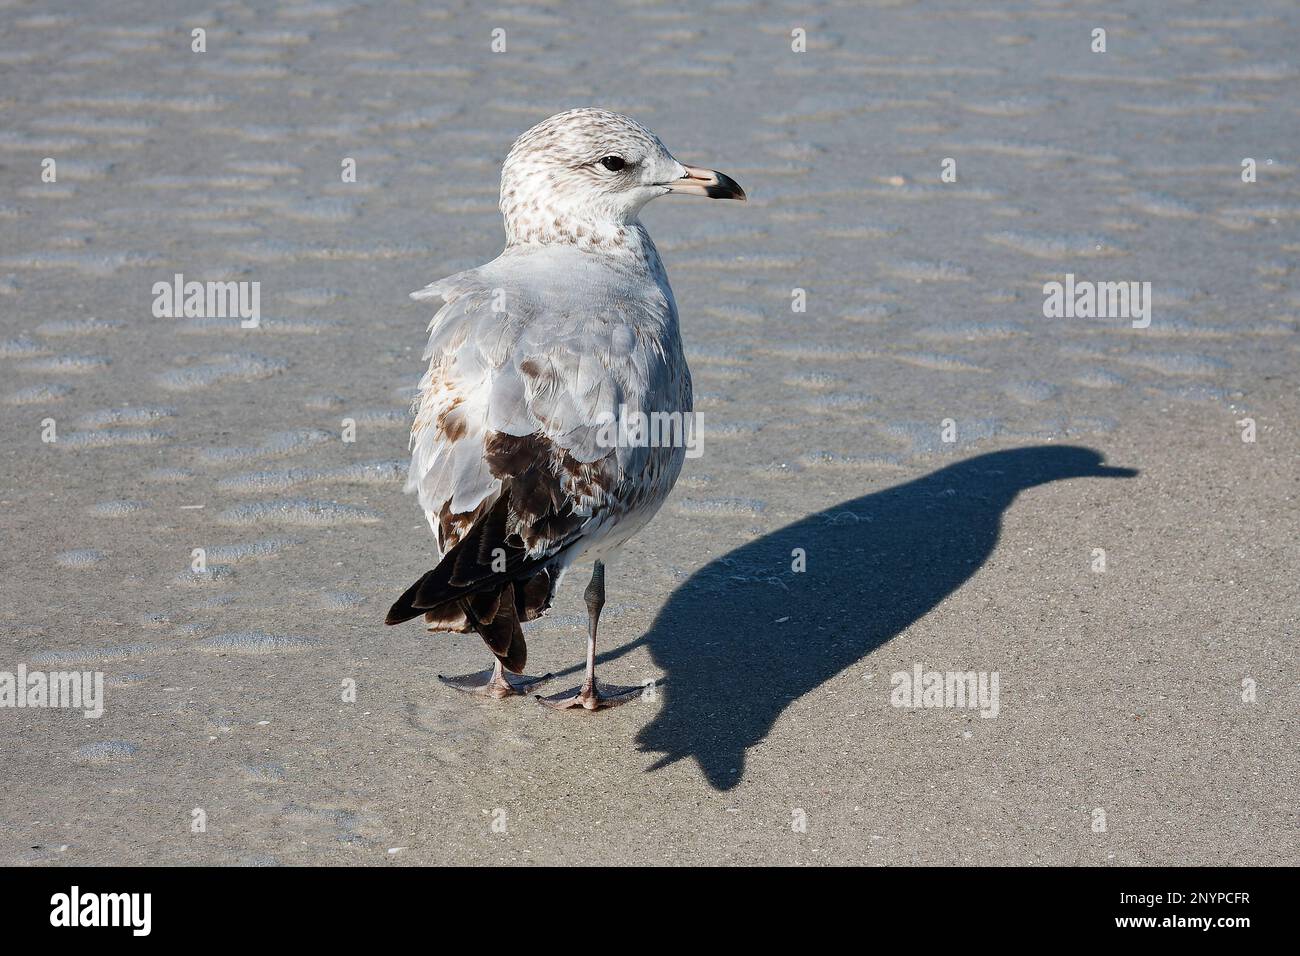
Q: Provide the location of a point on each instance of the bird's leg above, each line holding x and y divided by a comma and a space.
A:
593, 695
496, 683
594, 597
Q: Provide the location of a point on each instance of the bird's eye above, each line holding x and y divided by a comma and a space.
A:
613, 163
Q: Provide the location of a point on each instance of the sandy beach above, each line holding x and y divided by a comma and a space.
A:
907, 466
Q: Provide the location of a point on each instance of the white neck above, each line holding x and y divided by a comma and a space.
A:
629, 241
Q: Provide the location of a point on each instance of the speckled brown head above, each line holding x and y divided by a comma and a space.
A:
587, 172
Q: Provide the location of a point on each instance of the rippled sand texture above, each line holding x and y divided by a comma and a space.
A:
201, 533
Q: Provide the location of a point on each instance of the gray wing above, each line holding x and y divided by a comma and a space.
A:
522, 379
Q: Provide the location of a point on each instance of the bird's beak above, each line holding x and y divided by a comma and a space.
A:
706, 182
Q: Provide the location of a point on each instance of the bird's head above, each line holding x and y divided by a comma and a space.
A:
586, 173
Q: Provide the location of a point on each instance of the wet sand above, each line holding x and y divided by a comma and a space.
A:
1120, 690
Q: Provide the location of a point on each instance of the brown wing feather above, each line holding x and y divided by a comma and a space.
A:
497, 572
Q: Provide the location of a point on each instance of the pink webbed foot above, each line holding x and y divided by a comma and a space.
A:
495, 683
596, 697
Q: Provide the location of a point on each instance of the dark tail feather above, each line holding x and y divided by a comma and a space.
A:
470, 581
475, 566
492, 614
404, 608
464, 570
502, 632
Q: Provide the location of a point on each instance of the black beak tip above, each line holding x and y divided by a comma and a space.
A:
726, 188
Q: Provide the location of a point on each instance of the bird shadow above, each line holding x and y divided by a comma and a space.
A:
747, 635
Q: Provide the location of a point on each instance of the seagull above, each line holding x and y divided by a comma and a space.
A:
520, 457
